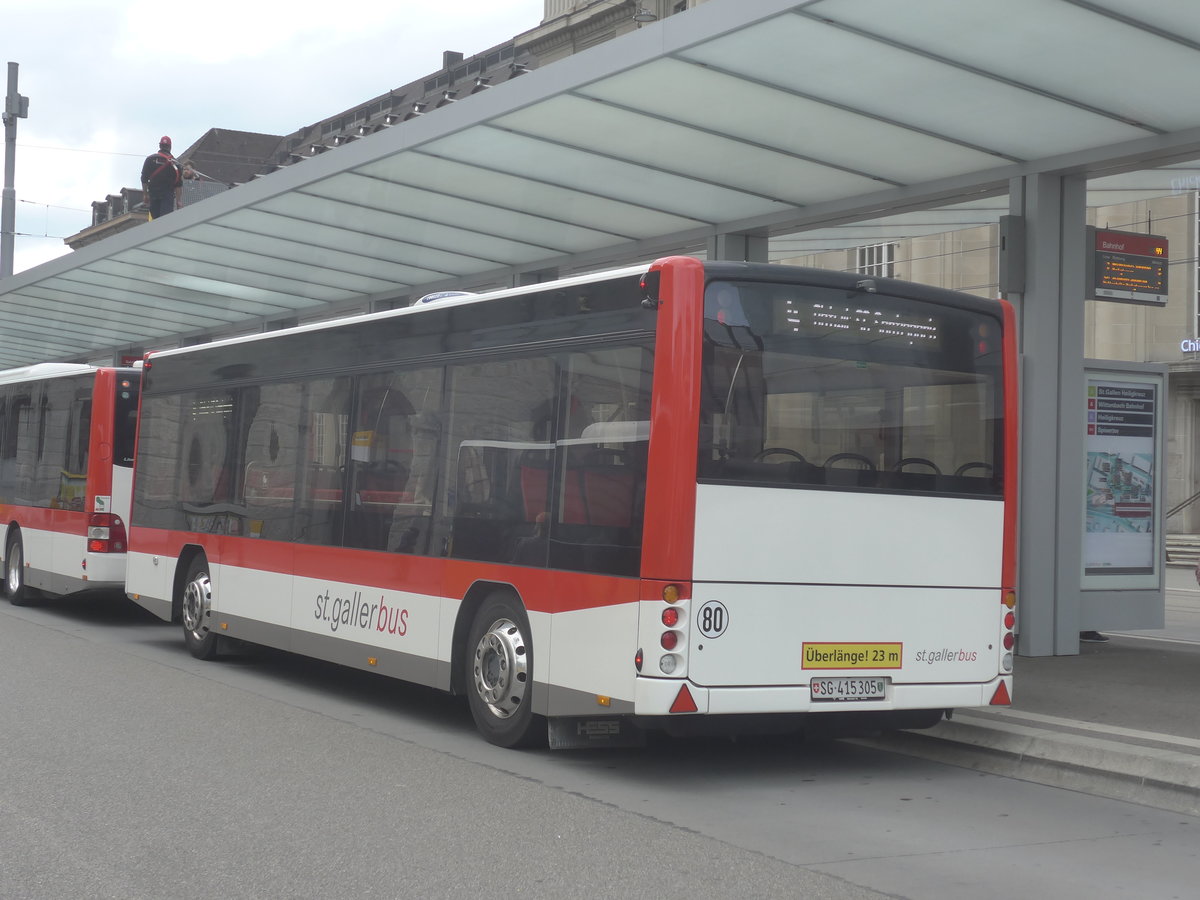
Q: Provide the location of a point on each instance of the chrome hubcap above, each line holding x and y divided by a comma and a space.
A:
502, 668
197, 600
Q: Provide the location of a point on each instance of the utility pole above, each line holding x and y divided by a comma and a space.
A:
15, 107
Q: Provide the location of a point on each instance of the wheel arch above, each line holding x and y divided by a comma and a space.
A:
10, 529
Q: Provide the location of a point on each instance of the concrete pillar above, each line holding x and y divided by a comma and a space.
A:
1050, 317
738, 247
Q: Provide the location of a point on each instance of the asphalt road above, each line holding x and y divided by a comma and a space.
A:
128, 769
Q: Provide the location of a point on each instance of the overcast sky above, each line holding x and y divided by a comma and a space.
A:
106, 79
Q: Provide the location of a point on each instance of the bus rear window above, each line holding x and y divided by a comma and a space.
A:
817, 387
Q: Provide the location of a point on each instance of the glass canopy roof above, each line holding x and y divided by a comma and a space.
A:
769, 115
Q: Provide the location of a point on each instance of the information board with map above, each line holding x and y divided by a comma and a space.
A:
1119, 536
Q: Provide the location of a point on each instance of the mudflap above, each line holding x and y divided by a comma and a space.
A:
582, 733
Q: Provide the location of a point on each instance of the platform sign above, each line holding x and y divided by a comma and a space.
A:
1122, 473
1126, 267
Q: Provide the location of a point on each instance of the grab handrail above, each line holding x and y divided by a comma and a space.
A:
1180, 507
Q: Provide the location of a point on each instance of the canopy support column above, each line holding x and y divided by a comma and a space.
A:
738, 247
1050, 317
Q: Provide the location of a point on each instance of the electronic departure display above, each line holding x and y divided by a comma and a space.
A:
858, 320
1130, 268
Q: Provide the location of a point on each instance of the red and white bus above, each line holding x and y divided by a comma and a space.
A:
680, 496
66, 472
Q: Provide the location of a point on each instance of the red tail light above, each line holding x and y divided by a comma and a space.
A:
106, 533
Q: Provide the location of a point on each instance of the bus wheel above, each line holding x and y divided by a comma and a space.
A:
14, 573
499, 674
196, 602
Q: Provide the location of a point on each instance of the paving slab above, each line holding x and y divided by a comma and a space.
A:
1120, 720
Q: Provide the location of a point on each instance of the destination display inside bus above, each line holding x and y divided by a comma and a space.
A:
857, 320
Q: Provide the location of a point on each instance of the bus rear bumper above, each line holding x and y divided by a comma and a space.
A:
677, 697
104, 569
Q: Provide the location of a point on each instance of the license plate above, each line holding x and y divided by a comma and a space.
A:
844, 690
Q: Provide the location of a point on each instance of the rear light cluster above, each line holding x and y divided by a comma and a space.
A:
1009, 637
1008, 641
106, 533
672, 639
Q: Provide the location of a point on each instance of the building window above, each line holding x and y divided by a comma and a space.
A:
876, 259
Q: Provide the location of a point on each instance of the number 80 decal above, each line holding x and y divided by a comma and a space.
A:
713, 619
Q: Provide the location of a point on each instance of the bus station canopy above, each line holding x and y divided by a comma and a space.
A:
758, 116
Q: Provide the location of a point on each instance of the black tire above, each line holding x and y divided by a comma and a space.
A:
14, 573
499, 673
194, 604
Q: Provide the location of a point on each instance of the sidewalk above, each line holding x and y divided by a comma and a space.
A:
1121, 719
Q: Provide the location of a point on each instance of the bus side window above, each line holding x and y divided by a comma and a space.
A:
270, 462
321, 460
156, 498
597, 525
411, 527
72, 484
497, 415
393, 458
20, 440
205, 465
6, 472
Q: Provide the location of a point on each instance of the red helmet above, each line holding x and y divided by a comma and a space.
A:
164, 141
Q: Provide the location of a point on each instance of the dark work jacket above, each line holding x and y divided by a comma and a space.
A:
161, 172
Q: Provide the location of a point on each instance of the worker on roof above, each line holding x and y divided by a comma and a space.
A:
162, 182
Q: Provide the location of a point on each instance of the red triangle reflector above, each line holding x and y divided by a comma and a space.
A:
1001, 698
683, 701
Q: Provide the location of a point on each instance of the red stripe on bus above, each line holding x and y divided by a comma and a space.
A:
675, 433
60, 521
1012, 412
542, 590
103, 436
